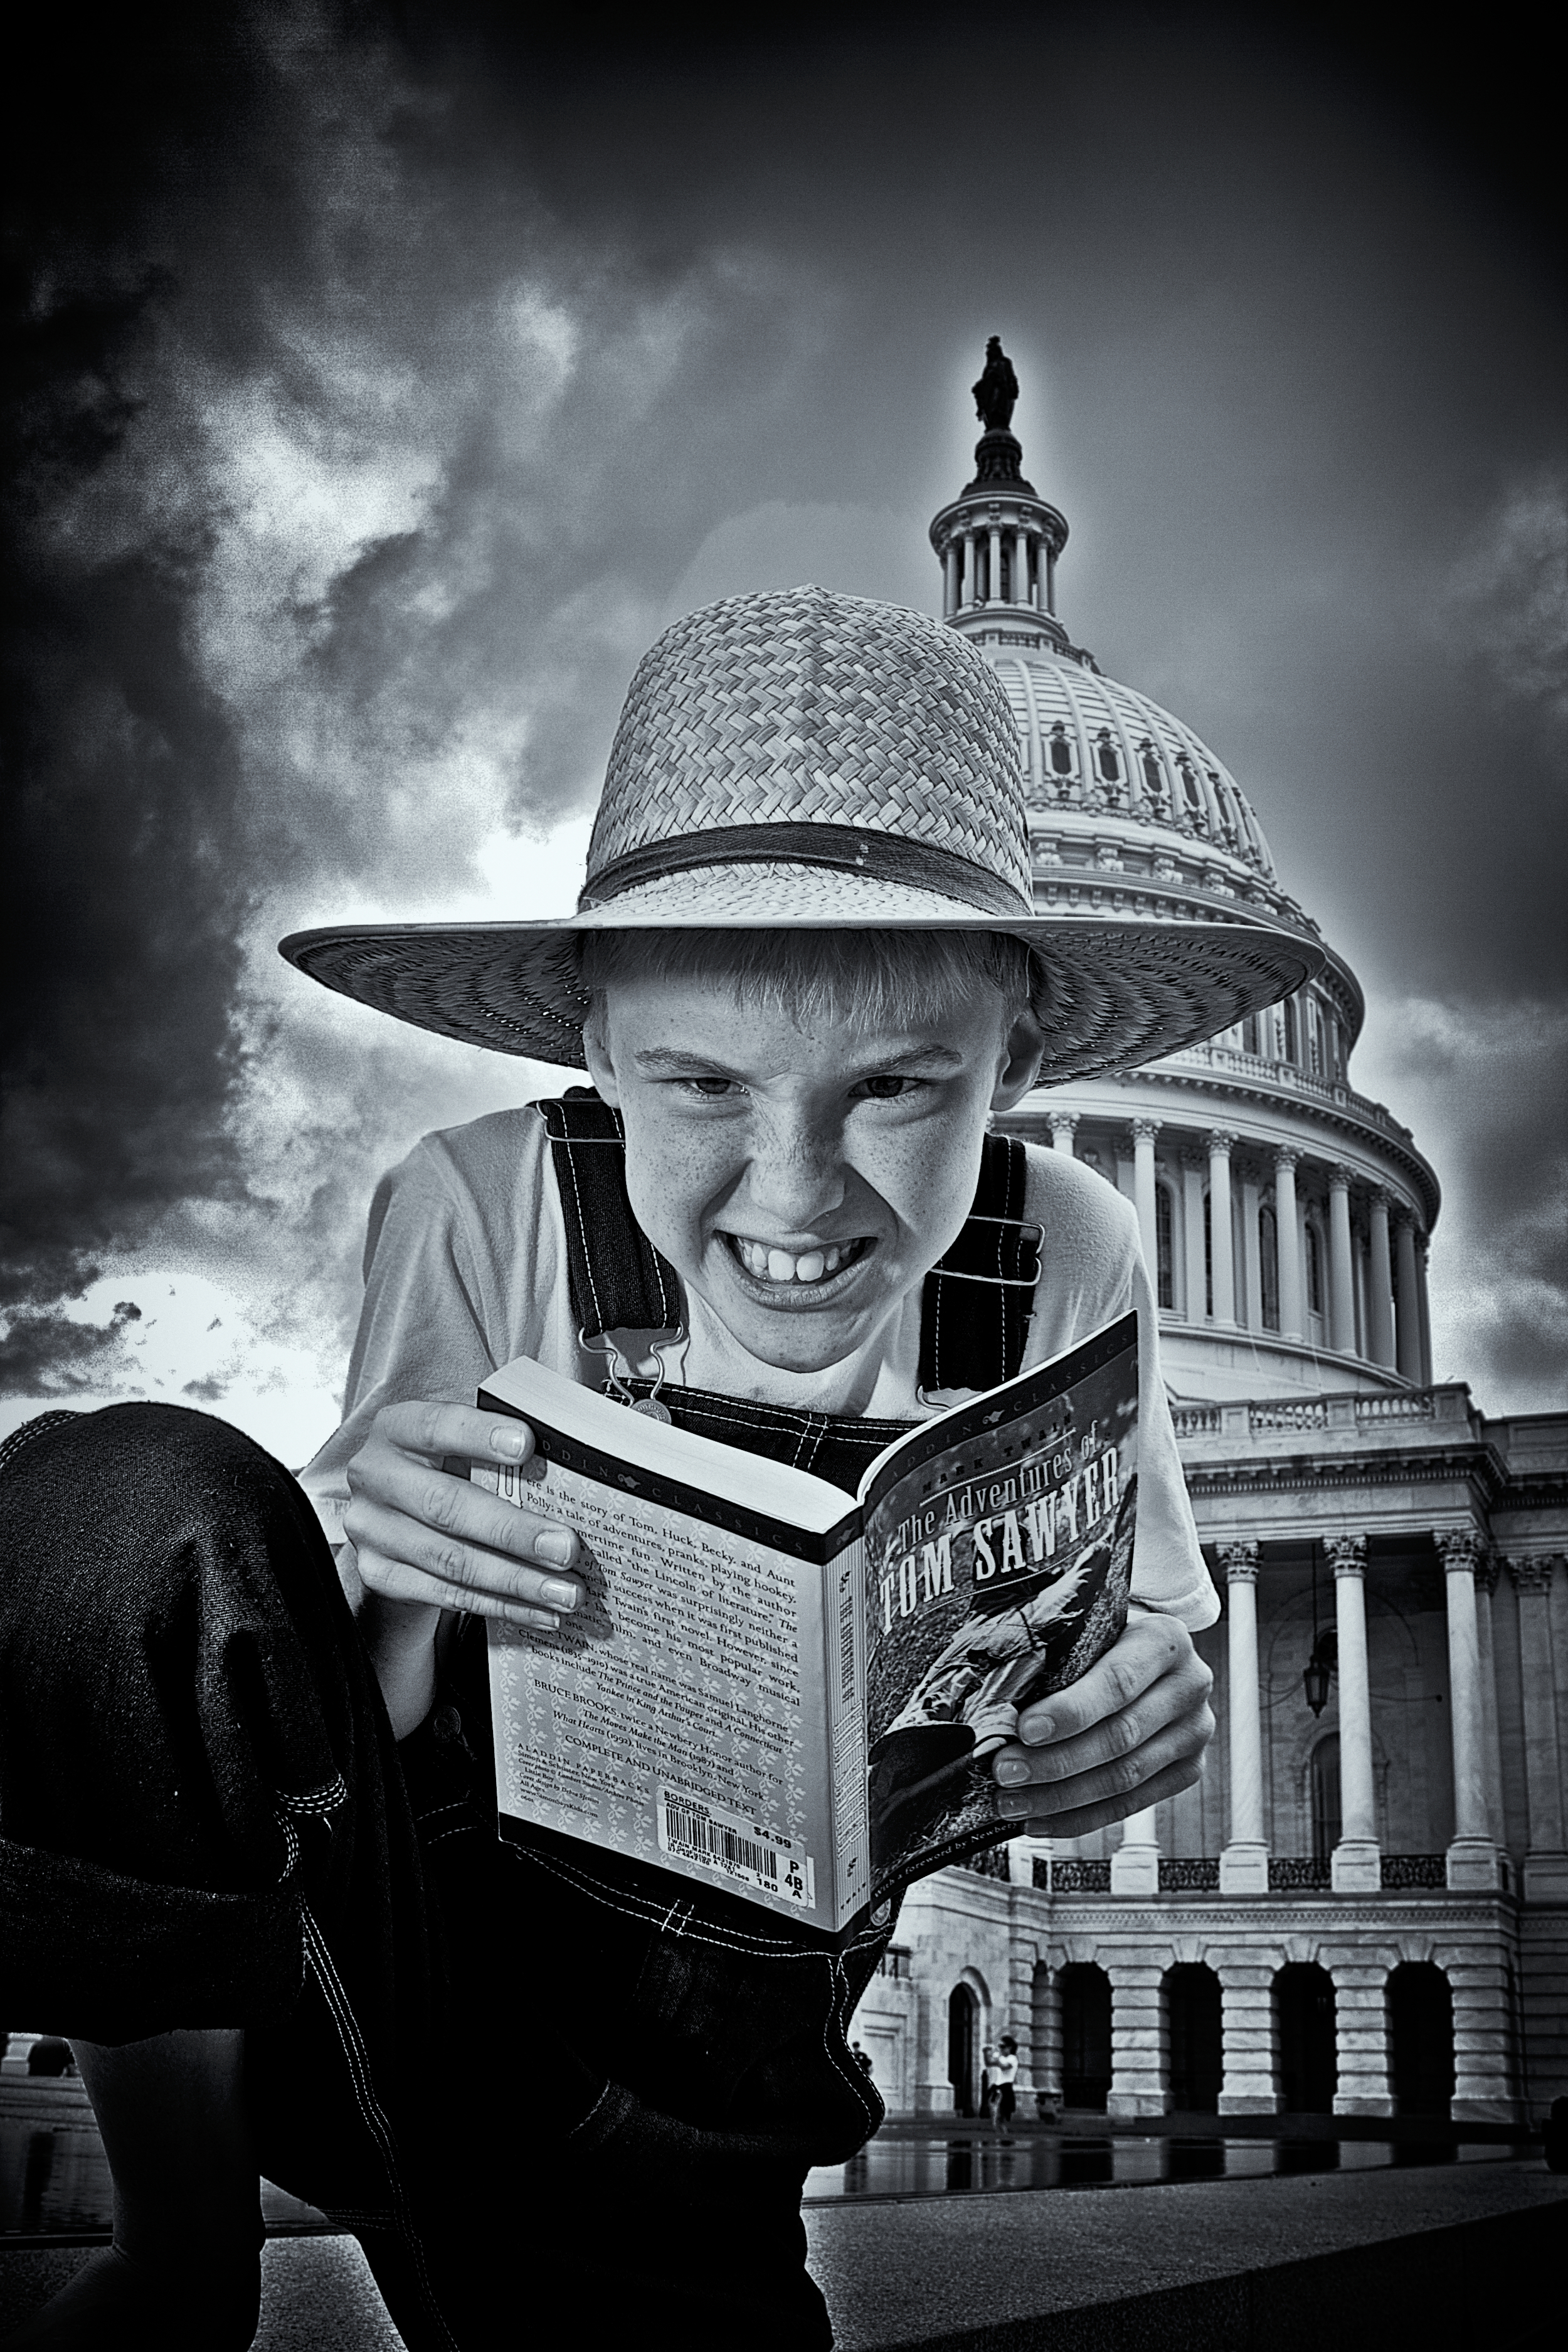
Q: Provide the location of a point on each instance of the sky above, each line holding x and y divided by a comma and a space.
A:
383, 378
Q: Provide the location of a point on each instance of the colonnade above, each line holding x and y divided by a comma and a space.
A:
1473, 1858
973, 559
1485, 2054
1217, 1193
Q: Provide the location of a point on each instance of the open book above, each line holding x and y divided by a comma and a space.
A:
793, 1693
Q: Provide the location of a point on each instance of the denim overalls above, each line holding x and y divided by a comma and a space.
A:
548, 2089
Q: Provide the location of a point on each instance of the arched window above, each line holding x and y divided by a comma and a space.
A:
1154, 774
1251, 1037
1325, 1783
1086, 2036
1006, 569
1193, 2006
1105, 758
1268, 1266
1292, 1049
1308, 2059
1164, 1245
962, 2052
1192, 789
1314, 1269
1061, 750
1421, 2039
1314, 1038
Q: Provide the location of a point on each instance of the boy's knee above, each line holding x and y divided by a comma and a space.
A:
135, 1498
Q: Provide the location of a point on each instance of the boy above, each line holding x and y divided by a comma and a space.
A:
806, 975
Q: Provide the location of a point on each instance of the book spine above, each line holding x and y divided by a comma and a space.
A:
844, 1674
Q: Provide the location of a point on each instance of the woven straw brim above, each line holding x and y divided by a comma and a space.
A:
1121, 992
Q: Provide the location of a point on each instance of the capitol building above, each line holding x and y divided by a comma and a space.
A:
1362, 1908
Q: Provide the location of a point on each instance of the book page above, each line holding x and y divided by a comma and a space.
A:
999, 1558
678, 1715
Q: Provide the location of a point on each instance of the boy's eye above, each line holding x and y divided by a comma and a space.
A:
889, 1089
709, 1087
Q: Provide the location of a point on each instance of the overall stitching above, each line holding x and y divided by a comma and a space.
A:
351, 2041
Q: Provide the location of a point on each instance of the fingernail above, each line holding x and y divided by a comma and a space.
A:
1011, 1771
1013, 1804
557, 1544
559, 1595
511, 1443
1041, 1727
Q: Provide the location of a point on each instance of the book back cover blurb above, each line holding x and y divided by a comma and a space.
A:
998, 1560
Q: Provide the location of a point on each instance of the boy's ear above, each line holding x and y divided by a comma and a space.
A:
1024, 1052
596, 1061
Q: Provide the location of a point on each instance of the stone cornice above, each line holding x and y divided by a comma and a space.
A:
1278, 1474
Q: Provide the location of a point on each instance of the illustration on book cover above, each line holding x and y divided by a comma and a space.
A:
1002, 1578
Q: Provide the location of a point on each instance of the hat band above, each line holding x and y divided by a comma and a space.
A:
849, 848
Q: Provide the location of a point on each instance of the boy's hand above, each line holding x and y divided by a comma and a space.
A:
426, 1541
1132, 1731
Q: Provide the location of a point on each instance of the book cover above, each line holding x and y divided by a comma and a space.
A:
794, 1691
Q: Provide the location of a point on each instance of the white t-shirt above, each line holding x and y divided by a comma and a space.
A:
465, 1267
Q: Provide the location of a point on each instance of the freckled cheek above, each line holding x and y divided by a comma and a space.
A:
672, 1182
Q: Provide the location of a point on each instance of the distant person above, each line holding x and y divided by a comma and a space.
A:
862, 2057
1004, 2077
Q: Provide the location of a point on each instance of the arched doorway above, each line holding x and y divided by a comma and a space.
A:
1086, 2036
1309, 2055
1193, 2014
963, 2051
1421, 2039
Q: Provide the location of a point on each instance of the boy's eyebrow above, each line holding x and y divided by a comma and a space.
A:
669, 1059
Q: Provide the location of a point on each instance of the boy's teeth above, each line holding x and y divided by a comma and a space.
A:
784, 1266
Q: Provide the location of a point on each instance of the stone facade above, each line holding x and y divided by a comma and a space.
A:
1349, 1888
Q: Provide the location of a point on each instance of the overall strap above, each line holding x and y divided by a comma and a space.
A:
974, 1313
619, 1282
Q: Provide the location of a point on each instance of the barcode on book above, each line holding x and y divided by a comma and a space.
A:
691, 1830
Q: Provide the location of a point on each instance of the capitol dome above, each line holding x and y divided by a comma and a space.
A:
1255, 1138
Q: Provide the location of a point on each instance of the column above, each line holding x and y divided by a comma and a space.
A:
971, 550
1139, 2070
1221, 1243
1423, 1308
930, 2090
1491, 1740
1135, 1864
1050, 579
1360, 2032
1380, 1286
1250, 2085
1287, 1225
1063, 1126
1192, 1237
1357, 1865
1483, 2040
1249, 1306
1046, 2033
1341, 1285
1020, 567
1244, 1865
1144, 1132
1546, 1858
950, 577
1407, 1305
1473, 1855
993, 575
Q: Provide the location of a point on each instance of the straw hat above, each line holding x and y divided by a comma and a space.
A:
802, 759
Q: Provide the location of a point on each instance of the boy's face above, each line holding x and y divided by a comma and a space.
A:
802, 1179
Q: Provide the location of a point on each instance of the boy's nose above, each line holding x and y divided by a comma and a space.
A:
795, 1178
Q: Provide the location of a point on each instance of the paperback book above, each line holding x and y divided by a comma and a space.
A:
788, 1690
